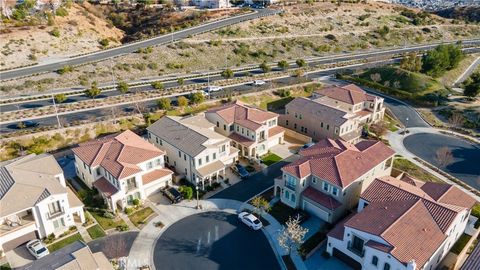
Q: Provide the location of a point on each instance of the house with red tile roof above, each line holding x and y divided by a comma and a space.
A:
122, 167
401, 223
252, 131
333, 112
330, 176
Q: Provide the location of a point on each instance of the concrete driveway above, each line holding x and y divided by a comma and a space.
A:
288, 148
19, 257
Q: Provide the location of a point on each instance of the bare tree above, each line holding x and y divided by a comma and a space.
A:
444, 156
376, 77
292, 235
456, 119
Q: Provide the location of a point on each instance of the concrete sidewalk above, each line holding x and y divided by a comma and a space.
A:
142, 250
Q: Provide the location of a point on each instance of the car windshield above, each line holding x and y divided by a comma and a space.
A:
40, 251
256, 221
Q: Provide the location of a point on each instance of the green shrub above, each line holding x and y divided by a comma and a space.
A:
122, 227
157, 85
186, 191
104, 42
61, 11
128, 210
55, 32
136, 202
107, 214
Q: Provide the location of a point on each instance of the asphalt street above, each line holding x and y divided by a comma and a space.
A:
466, 156
254, 184
115, 245
132, 47
213, 241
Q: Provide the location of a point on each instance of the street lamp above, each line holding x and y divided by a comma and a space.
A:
198, 206
406, 124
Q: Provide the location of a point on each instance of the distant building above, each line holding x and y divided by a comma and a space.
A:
402, 223
330, 176
333, 112
252, 131
193, 148
122, 167
35, 200
76, 256
211, 3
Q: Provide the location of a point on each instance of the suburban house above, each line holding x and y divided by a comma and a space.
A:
76, 256
333, 112
330, 176
35, 201
402, 223
193, 148
352, 98
252, 131
122, 167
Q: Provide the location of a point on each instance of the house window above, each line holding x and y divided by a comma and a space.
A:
161, 142
293, 198
386, 266
199, 161
295, 126
238, 128
300, 116
207, 159
184, 157
58, 223
54, 207
301, 129
321, 124
218, 124
287, 194
179, 154
224, 127
314, 180
296, 115
325, 186
158, 161
243, 130
306, 131
222, 149
99, 171
286, 122
334, 191
375, 260
149, 165
214, 156
156, 139
328, 126
291, 182
248, 132
231, 128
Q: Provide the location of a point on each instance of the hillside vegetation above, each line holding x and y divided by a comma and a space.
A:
468, 13
303, 31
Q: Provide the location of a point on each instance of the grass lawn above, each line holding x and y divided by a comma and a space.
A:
270, 158
65, 242
96, 232
281, 212
460, 244
106, 223
476, 213
390, 123
140, 216
414, 171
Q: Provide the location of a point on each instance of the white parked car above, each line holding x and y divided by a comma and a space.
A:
213, 88
37, 249
250, 220
258, 82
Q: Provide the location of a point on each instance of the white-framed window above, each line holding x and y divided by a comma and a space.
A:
325, 186
287, 194
214, 156
334, 191
314, 180
293, 198
207, 159
149, 165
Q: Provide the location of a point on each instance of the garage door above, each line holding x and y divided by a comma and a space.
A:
7, 246
154, 188
313, 210
346, 259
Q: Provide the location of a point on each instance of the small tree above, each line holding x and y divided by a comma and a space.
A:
444, 156
182, 101
283, 64
197, 98
60, 98
264, 67
180, 81
227, 74
93, 91
301, 63
157, 85
122, 87
457, 120
261, 205
291, 236
164, 104
187, 192
472, 90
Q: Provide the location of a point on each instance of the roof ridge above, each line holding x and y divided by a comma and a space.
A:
404, 213
446, 191
104, 144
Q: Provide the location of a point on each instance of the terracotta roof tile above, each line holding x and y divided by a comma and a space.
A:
118, 154
155, 175
240, 139
321, 198
339, 162
105, 187
275, 130
350, 94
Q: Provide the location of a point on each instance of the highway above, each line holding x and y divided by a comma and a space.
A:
132, 47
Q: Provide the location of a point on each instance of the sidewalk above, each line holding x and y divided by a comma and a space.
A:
396, 142
142, 249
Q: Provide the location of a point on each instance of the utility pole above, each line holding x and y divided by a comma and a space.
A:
56, 111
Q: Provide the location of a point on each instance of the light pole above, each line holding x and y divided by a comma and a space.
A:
198, 205
405, 129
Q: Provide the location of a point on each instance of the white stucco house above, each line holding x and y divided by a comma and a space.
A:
122, 167
193, 148
401, 224
34, 200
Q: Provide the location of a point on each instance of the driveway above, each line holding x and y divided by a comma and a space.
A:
115, 245
254, 184
318, 262
288, 148
19, 256
213, 240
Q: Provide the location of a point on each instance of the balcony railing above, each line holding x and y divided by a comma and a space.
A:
131, 186
55, 214
353, 249
9, 226
290, 186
